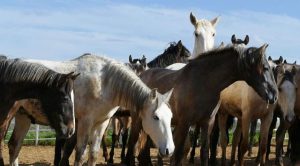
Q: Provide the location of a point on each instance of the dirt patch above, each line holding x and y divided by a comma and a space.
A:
43, 156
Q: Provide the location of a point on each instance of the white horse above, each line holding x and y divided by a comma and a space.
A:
103, 85
205, 32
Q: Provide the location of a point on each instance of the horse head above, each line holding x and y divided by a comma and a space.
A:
287, 88
156, 117
204, 33
258, 73
138, 65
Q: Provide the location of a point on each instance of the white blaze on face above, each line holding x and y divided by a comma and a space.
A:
287, 99
157, 124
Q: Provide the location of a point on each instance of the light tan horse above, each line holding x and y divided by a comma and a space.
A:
243, 102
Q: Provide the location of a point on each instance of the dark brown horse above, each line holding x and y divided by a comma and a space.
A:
197, 89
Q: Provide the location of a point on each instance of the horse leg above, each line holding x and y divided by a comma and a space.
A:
59, 144
280, 134
205, 138
195, 139
214, 143
252, 134
222, 119
144, 155
124, 143
22, 125
264, 129
288, 151
84, 129
96, 139
180, 134
235, 141
244, 144
103, 142
68, 149
270, 135
133, 137
114, 138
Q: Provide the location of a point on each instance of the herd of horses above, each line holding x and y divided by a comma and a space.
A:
157, 102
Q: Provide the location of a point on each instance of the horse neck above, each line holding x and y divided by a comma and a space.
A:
221, 71
199, 48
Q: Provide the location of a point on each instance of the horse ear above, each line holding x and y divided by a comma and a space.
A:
233, 39
295, 63
193, 19
130, 59
153, 94
179, 44
246, 41
263, 48
74, 76
285, 61
215, 21
294, 70
269, 58
280, 59
168, 95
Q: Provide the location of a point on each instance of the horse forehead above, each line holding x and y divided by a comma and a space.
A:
204, 24
164, 110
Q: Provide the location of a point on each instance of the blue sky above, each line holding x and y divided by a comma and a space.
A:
65, 29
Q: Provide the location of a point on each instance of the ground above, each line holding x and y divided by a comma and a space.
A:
43, 156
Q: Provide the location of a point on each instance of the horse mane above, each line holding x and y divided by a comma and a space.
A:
238, 50
166, 58
17, 71
126, 87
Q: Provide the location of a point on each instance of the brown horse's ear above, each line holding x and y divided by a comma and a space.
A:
74, 76
130, 59
153, 94
193, 19
233, 39
214, 21
294, 70
168, 95
246, 41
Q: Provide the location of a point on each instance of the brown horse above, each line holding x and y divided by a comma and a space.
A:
285, 120
192, 104
242, 101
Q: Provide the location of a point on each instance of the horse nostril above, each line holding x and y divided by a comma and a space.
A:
167, 151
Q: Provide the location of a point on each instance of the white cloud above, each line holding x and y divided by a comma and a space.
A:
120, 30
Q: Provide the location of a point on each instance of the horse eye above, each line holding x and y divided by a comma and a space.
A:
279, 89
155, 117
196, 34
214, 34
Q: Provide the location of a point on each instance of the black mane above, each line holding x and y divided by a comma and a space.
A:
167, 58
18, 71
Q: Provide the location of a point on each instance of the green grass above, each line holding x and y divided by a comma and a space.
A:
30, 138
